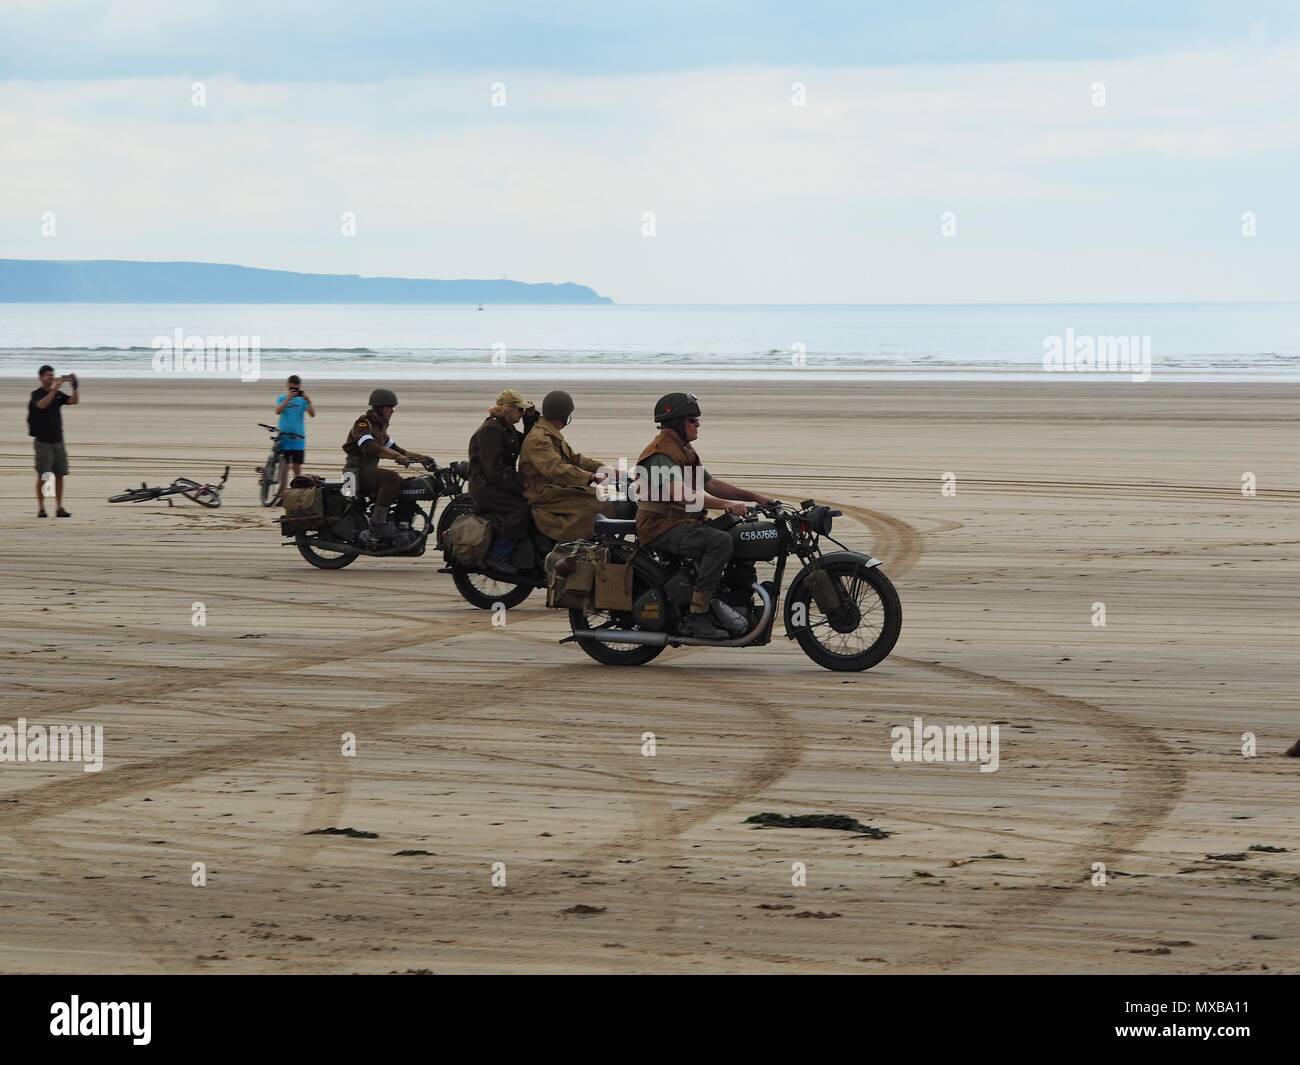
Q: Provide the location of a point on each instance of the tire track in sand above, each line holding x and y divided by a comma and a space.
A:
896, 543
327, 801
290, 666
1153, 784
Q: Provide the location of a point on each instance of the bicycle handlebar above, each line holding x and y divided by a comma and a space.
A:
277, 429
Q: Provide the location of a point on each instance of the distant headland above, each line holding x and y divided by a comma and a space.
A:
117, 281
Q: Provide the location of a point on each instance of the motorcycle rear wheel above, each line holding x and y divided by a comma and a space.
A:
610, 654
484, 594
323, 559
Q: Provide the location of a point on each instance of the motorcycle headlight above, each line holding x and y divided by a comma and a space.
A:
818, 519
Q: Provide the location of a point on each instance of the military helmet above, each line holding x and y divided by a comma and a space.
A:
557, 405
677, 405
383, 397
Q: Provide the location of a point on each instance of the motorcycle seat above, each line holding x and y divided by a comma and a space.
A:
614, 526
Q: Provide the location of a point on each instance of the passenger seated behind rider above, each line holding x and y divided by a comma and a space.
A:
494, 482
369, 441
673, 490
558, 482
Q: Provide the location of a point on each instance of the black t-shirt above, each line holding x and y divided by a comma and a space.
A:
46, 425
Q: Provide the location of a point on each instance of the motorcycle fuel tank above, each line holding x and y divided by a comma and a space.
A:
418, 488
757, 540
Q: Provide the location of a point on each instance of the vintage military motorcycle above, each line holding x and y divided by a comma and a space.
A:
325, 520
482, 584
840, 608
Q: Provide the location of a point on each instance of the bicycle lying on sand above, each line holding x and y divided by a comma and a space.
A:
205, 495
268, 483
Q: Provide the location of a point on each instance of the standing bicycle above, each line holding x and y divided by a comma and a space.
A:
270, 479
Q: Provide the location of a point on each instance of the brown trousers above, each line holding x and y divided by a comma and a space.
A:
381, 485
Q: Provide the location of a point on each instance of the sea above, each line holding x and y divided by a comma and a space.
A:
1215, 342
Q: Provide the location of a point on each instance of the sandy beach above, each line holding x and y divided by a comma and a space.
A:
476, 745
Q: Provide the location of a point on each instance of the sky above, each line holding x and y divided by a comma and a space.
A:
694, 153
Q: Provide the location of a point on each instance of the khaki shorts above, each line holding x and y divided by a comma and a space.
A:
51, 458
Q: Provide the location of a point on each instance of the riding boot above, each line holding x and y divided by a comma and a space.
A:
699, 622
379, 530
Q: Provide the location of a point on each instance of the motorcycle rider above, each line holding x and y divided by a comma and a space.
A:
369, 441
494, 482
557, 480
673, 490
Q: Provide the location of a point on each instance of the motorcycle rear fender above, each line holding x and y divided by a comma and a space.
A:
796, 585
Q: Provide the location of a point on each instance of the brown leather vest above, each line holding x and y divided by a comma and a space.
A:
656, 517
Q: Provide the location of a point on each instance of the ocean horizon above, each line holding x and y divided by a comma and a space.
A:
981, 341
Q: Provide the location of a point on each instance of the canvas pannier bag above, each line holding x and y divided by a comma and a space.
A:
304, 510
571, 574
469, 538
613, 586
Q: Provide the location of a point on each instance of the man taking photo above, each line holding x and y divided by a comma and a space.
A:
45, 426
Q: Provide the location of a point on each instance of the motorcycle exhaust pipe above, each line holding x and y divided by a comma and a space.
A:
661, 639
353, 549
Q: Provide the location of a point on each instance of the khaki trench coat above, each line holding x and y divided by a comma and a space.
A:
556, 484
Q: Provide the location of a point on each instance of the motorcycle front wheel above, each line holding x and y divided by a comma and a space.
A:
876, 614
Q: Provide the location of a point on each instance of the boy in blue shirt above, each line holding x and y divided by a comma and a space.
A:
290, 407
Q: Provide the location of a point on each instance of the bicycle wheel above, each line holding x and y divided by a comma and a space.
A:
134, 495
204, 496
269, 486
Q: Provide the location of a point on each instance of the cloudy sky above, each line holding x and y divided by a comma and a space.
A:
761, 191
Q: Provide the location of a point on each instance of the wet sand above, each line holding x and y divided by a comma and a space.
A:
480, 745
